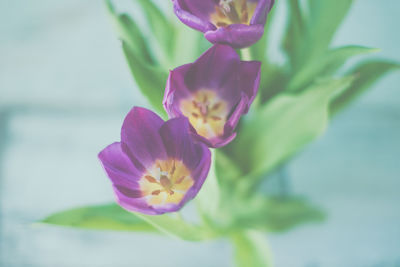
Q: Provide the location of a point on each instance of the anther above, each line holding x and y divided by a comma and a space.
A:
151, 179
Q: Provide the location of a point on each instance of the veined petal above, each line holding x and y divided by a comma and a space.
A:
261, 12
176, 135
119, 167
140, 133
250, 80
236, 35
196, 18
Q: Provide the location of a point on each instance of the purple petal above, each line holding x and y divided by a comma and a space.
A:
140, 133
119, 167
134, 204
195, 16
239, 110
176, 135
176, 89
249, 82
261, 12
212, 68
236, 35
199, 174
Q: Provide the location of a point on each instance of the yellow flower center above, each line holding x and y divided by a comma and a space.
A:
166, 182
233, 12
206, 112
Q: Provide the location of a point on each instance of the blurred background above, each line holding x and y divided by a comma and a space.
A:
64, 91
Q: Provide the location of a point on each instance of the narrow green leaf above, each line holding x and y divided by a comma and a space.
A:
251, 249
160, 26
186, 46
277, 214
177, 227
324, 19
295, 32
101, 217
310, 32
366, 74
325, 65
151, 80
225, 168
130, 33
274, 80
283, 126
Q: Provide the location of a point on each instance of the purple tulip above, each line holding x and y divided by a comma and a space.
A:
238, 23
157, 167
213, 92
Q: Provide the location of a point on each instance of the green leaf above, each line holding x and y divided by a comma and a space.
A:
130, 33
251, 249
310, 33
160, 26
274, 80
177, 227
187, 45
226, 169
150, 79
324, 19
283, 126
277, 214
296, 31
366, 75
101, 217
325, 65
259, 49
208, 198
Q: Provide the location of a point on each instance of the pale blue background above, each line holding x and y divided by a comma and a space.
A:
64, 89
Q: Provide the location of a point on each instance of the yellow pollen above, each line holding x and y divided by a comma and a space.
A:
206, 112
166, 182
229, 12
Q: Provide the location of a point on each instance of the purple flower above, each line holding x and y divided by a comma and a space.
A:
157, 167
213, 92
238, 23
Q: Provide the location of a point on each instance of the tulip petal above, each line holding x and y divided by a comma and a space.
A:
193, 16
261, 12
119, 167
176, 135
236, 35
140, 133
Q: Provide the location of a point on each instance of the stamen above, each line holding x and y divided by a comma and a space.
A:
156, 192
222, 24
216, 118
244, 11
229, 10
173, 169
165, 182
216, 106
180, 180
225, 5
151, 179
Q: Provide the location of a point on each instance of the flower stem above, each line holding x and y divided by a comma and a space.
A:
251, 249
246, 54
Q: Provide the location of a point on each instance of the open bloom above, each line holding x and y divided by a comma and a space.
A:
157, 167
239, 23
213, 92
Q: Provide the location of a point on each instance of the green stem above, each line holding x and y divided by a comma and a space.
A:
246, 54
251, 249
